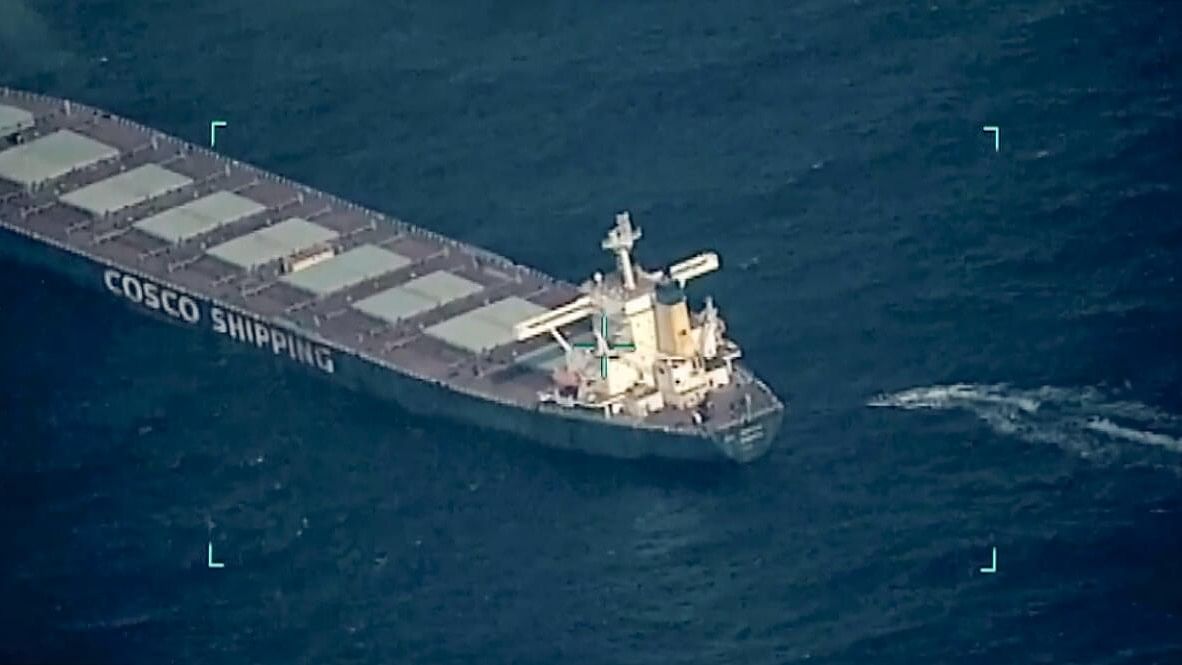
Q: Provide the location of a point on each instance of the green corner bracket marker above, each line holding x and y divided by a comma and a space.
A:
993, 566
210, 562
213, 131
996, 136
611, 347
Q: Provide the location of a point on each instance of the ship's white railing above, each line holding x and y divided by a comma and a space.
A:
408, 228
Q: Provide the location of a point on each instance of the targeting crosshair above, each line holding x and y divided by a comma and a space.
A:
606, 346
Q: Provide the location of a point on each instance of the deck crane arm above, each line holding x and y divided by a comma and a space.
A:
554, 319
695, 266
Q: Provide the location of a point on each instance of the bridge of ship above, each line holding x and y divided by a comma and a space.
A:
167, 209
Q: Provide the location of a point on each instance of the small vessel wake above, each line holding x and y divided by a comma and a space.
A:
1083, 420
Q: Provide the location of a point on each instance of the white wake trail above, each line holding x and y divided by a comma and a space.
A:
1110, 428
1083, 420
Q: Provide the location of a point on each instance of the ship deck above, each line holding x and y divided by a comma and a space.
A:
436, 309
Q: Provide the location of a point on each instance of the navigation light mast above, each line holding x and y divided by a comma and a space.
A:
620, 240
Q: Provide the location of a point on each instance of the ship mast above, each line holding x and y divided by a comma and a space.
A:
620, 241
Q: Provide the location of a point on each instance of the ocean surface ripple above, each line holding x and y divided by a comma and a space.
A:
1012, 316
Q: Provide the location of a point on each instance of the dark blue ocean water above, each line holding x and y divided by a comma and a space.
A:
981, 349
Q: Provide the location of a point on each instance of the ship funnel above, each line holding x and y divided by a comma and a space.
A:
620, 241
672, 319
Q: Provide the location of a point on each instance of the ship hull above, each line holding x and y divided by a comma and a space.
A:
744, 441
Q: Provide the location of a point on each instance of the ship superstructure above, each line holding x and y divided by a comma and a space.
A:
617, 366
649, 353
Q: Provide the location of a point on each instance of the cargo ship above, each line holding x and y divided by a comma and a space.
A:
618, 365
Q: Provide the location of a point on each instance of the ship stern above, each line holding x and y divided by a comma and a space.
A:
753, 427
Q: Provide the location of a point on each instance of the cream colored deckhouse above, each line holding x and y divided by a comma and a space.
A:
649, 351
